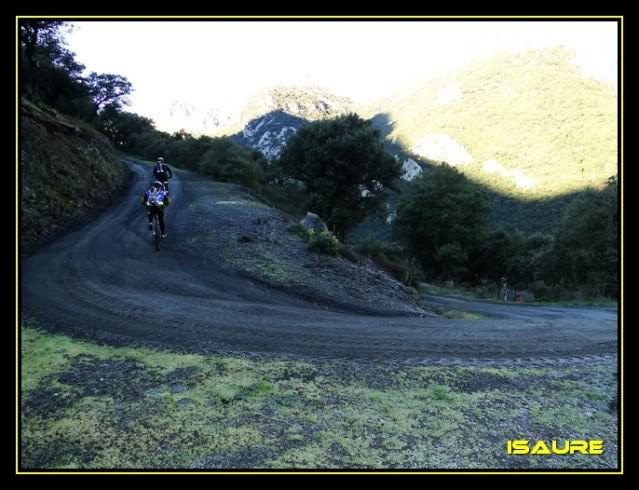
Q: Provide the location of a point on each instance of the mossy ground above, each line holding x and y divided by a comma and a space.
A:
91, 406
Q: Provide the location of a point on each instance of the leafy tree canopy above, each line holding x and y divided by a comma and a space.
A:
344, 168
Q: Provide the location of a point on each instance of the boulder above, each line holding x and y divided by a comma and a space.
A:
313, 222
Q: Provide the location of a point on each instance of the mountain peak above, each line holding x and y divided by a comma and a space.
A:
196, 118
306, 102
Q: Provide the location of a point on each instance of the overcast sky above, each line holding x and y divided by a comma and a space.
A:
220, 64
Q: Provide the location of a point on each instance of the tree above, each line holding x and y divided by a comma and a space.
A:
182, 135
491, 256
106, 88
227, 161
452, 261
441, 208
62, 87
124, 129
187, 150
343, 167
587, 241
35, 34
51, 73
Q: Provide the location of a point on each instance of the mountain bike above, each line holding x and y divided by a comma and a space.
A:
156, 231
157, 234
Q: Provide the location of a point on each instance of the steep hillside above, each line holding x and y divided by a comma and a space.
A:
269, 133
68, 171
526, 125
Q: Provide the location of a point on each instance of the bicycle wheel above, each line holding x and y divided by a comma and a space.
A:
156, 232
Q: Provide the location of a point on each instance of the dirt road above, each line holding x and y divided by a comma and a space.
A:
105, 282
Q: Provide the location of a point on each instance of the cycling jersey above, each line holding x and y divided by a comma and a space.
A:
155, 197
162, 172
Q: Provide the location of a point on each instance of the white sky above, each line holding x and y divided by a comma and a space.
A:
221, 63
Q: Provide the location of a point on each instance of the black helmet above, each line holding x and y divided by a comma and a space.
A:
160, 160
157, 184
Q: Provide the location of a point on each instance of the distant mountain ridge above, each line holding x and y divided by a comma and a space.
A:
309, 103
196, 119
269, 133
273, 115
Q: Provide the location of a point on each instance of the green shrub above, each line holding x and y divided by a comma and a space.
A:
299, 230
324, 242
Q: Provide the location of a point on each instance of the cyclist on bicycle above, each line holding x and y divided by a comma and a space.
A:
155, 199
162, 173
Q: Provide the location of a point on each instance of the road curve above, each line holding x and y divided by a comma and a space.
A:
518, 311
105, 282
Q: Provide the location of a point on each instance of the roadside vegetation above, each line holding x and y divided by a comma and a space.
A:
488, 293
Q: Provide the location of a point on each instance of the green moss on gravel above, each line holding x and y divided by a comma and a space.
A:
193, 411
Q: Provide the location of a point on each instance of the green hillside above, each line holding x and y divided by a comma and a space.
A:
534, 127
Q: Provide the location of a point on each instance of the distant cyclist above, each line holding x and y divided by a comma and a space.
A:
155, 199
162, 173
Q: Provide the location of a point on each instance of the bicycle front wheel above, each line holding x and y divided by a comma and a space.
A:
156, 233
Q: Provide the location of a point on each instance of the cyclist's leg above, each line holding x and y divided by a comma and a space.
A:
166, 185
149, 213
154, 213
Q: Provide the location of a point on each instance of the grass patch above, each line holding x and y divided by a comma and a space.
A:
141, 408
271, 269
321, 242
456, 314
463, 315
